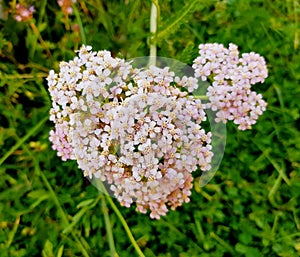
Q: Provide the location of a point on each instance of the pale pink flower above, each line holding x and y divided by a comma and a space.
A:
23, 12
231, 77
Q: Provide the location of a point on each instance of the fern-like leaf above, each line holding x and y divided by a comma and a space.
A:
174, 22
188, 54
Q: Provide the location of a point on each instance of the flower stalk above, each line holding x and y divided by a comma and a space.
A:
99, 185
153, 31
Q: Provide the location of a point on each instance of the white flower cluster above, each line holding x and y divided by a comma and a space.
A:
140, 129
230, 93
136, 129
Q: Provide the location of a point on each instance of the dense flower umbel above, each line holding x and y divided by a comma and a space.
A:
23, 13
134, 128
230, 93
66, 6
140, 129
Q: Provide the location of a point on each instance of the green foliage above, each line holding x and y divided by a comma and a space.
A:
250, 208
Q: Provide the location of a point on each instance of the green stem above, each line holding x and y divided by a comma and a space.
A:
60, 209
296, 18
296, 219
102, 188
13, 232
222, 242
201, 97
275, 187
25, 76
30, 133
153, 31
55, 200
111, 242
78, 20
39, 37
13, 4
297, 234
280, 170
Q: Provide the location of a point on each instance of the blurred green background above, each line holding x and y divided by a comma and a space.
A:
252, 205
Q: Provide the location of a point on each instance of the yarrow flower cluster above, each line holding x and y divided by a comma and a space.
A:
232, 76
133, 128
66, 6
139, 130
23, 13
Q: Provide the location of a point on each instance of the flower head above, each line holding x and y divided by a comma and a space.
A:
23, 12
133, 128
231, 77
66, 6
140, 130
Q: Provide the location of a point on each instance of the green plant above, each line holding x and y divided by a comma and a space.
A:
249, 208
